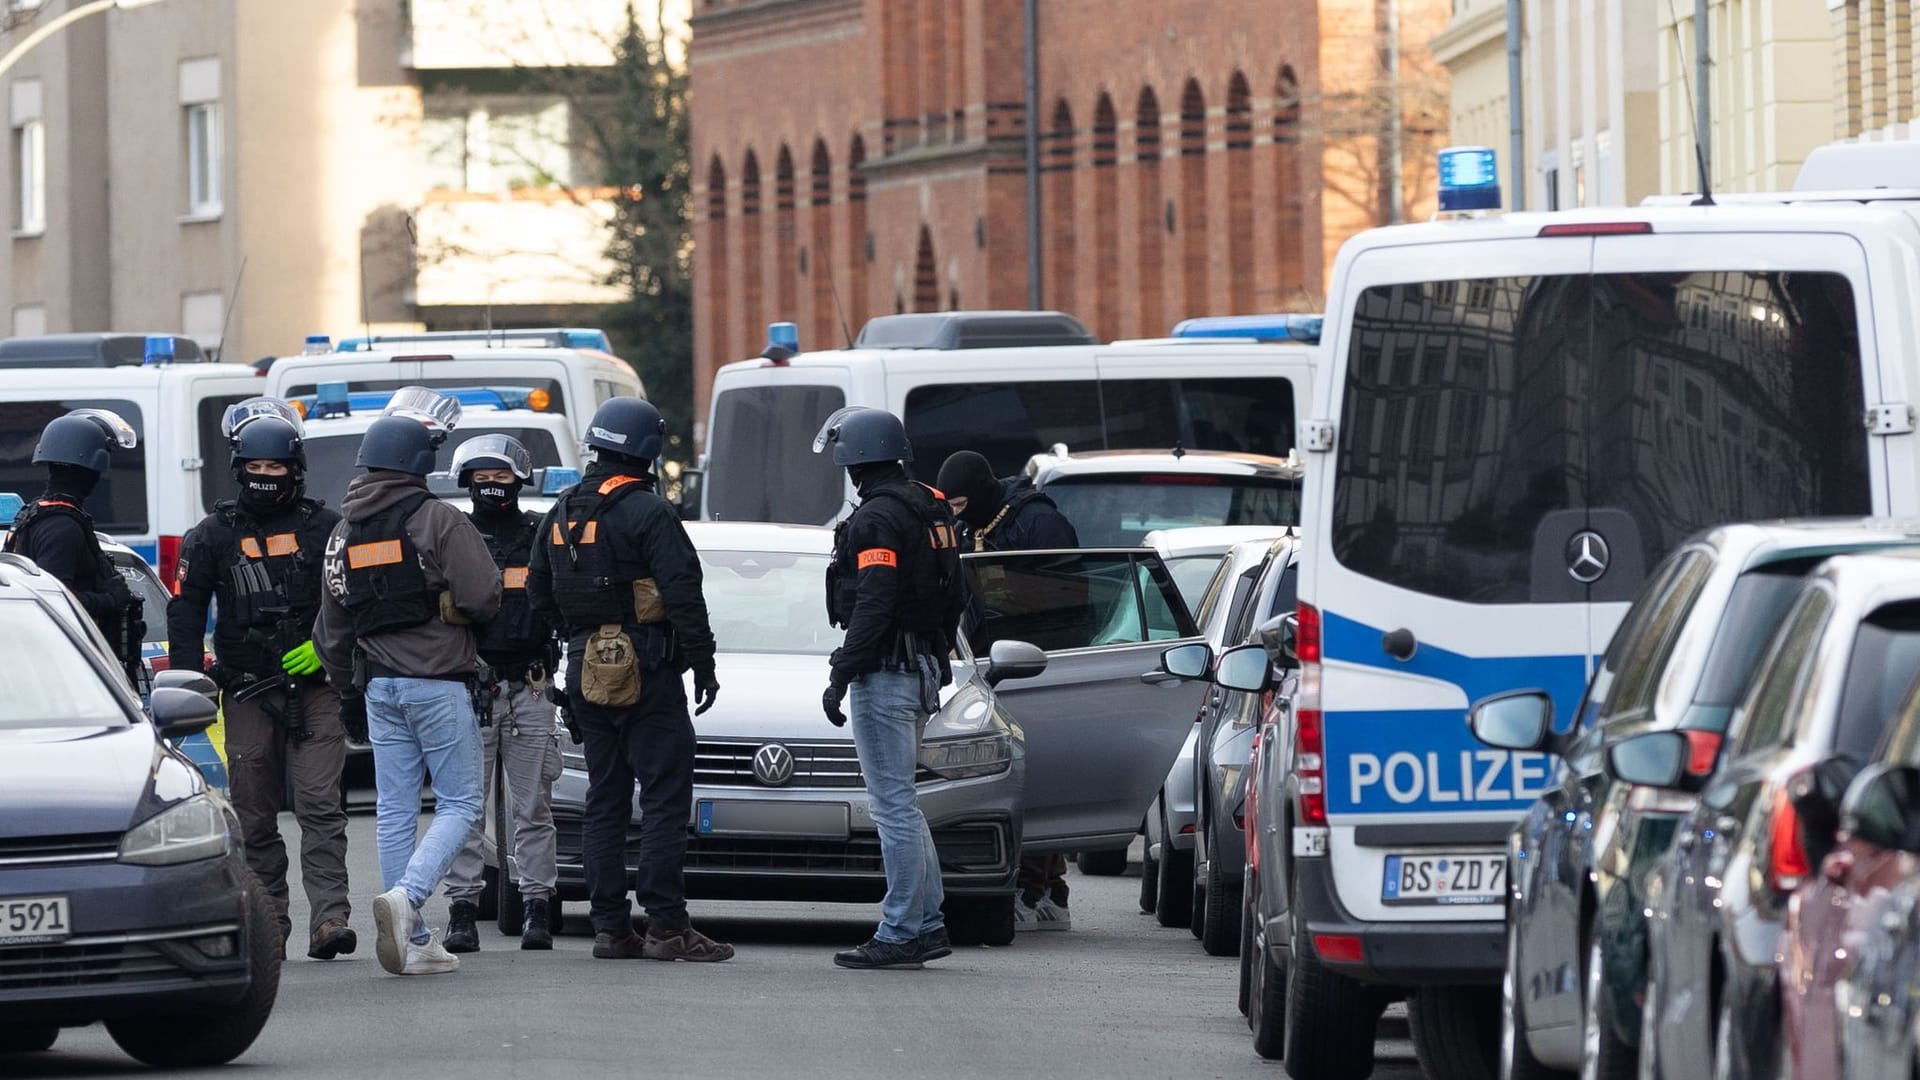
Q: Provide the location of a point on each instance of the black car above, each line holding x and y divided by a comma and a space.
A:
123, 894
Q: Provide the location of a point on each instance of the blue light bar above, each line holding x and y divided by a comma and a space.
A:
329, 399
573, 338
334, 399
10, 507
1301, 328
1469, 179
784, 334
159, 349
558, 479
586, 339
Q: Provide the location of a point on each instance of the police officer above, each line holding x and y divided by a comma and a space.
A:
257, 559
56, 532
894, 584
1013, 515
407, 577
516, 723
617, 574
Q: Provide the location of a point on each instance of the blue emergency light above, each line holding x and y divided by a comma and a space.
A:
784, 334
330, 399
159, 349
586, 339
335, 398
1469, 179
558, 478
1268, 328
10, 507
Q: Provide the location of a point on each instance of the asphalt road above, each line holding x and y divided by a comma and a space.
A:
1118, 996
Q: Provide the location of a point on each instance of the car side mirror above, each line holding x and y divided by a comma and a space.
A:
1186, 661
1519, 720
1014, 660
182, 679
1277, 635
1244, 668
178, 713
1882, 808
1653, 759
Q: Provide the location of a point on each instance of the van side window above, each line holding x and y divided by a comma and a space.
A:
216, 455
119, 504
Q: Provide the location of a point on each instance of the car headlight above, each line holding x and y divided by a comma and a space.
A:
958, 759
188, 830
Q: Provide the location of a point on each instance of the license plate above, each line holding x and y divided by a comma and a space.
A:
34, 920
1443, 878
751, 817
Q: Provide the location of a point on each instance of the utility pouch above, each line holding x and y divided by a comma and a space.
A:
451, 615
652, 645
253, 592
360, 672
610, 670
648, 608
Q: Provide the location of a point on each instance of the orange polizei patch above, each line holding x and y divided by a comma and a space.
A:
283, 544
514, 577
878, 557
250, 547
378, 553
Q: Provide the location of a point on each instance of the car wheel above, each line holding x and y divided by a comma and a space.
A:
1103, 863
1149, 867
1330, 1020
1246, 947
1516, 1054
28, 1038
488, 902
1456, 1031
1267, 1005
1219, 914
208, 1037
979, 920
556, 915
1603, 1055
1175, 880
510, 908
513, 910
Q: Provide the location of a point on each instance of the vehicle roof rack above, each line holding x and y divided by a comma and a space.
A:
973, 330
544, 338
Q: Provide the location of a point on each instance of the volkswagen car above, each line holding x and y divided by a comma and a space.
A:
1065, 711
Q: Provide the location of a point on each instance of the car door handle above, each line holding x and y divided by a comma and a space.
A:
1161, 678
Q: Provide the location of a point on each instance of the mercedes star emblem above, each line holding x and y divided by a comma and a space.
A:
773, 765
1587, 557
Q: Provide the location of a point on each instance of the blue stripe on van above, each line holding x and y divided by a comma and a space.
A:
1426, 760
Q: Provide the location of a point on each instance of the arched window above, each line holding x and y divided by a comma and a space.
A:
1193, 201
719, 348
1150, 216
820, 265
926, 275
1287, 196
753, 267
1061, 208
1106, 220
1241, 271
859, 247
785, 239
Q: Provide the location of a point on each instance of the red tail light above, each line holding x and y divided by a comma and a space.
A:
1787, 864
1703, 749
1599, 228
170, 563
1339, 948
1309, 743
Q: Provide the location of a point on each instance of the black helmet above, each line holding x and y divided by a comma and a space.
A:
628, 426
864, 436
86, 438
269, 438
492, 452
398, 443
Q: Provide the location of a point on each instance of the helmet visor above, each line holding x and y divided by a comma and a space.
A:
493, 452
439, 412
238, 416
119, 430
830, 431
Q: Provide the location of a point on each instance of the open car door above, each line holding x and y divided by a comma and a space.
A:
1103, 724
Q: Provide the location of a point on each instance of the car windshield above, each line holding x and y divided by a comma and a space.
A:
1191, 573
330, 458
768, 602
1119, 511
47, 680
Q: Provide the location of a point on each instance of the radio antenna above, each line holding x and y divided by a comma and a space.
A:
840, 314
233, 299
1686, 83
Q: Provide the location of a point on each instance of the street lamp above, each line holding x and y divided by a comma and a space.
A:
61, 22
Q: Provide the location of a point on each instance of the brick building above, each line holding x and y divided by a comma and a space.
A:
861, 157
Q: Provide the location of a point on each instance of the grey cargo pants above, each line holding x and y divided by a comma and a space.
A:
522, 739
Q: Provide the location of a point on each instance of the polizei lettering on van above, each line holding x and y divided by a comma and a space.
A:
1416, 761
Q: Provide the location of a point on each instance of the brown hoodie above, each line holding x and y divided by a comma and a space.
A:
456, 560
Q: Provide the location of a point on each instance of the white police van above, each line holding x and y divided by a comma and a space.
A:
154, 493
566, 372
1517, 418
1008, 384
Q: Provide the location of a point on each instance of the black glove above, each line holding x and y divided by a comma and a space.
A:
830, 702
353, 716
706, 687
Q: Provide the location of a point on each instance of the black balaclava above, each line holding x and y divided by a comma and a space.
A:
265, 494
970, 476
868, 475
610, 463
493, 499
73, 480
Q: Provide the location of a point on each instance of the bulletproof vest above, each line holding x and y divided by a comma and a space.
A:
931, 564
40, 508
592, 576
511, 632
270, 574
386, 586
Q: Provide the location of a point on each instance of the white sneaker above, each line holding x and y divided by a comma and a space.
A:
393, 925
1048, 915
429, 959
1024, 918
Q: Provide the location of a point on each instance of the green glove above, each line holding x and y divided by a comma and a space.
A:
301, 660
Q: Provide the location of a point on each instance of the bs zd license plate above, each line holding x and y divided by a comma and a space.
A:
34, 920
1443, 878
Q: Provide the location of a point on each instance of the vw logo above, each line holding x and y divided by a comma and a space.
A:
1587, 557
773, 765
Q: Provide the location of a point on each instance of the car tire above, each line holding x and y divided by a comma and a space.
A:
1219, 913
28, 1038
1246, 947
1111, 863
209, 1037
513, 910
1456, 1031
1330, 1020
979, 920
1175, 880
1603, 1054
509, 908
1149, 875
1267, 1006
488, 902
1516, 1053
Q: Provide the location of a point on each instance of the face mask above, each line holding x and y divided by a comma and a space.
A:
500, 498
267, 492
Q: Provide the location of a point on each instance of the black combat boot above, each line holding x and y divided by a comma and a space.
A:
462, 935
534, 934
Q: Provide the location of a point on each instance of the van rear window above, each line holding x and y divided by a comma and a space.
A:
761, 467
1476, 410
119, 503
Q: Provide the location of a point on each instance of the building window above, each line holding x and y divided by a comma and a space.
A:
30, 152
29, 320
491, 145
203, 159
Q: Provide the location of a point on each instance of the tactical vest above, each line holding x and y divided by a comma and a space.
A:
511, 632
592, 577
932, 585
269, 574
40, 508
386, 586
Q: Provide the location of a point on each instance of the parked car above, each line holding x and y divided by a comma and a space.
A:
1054, 750
1263, 987
1578, 861
1117, 497
125, 895
1832, 677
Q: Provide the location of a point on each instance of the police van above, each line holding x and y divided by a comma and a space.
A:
565, 372
1008, 384
154, 493
1517, 418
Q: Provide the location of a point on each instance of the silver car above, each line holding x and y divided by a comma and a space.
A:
1049, 743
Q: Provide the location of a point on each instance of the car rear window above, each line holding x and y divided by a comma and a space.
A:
760, 464
1119, 511
1886, 656
119, 503
1474, 409
1192, 573
1759, 600
330, 458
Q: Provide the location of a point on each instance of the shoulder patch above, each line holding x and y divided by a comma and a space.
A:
878, 557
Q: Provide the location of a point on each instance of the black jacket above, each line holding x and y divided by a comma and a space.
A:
1032, 523
63, 544
208, 554
882, 524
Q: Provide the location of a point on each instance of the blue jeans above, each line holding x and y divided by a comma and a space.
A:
422, 726
887, 716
